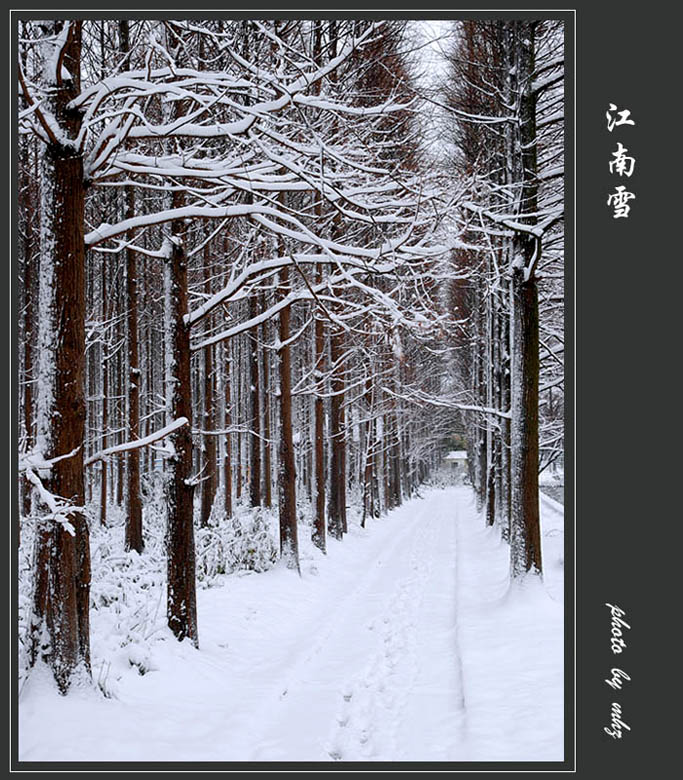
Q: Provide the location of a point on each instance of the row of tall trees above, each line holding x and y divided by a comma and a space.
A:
504, 105
226, 254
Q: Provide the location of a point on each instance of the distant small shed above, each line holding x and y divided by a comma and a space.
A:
456, 457
456, 463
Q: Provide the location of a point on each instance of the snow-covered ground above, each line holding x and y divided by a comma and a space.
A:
551, 482
403, 643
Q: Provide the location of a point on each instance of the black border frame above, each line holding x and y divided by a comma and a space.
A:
568, 765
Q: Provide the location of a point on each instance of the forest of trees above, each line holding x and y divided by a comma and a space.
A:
245, 276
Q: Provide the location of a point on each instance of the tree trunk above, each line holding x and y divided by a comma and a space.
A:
337, 498
255, 411
481, 430
28, 207
525, 532
105, 398
341, 443
208, 421
267, 448
181, 597
238, 405
318, 531
397, 498
289, 544
134, 539
227, 422
60, 625
120, 407
491, 490
368, 493
209, 465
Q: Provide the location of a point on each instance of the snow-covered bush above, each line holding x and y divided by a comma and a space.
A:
441, 478
127, 595
128, 590
244, 542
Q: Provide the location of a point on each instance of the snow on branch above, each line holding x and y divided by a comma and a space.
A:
138, 443
506, 220
47, 130
34, 460
60, 508
106, 231
447, 403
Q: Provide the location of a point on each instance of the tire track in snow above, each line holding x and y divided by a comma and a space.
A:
274, 715
433, 726
372, 702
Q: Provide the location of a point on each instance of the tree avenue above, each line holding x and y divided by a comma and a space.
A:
248, 279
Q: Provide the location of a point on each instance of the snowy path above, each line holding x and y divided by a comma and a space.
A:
359, 659
369, 676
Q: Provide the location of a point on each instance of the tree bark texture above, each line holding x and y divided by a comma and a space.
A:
60, 625
254, 413
526, 533
289, 544
181, 596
